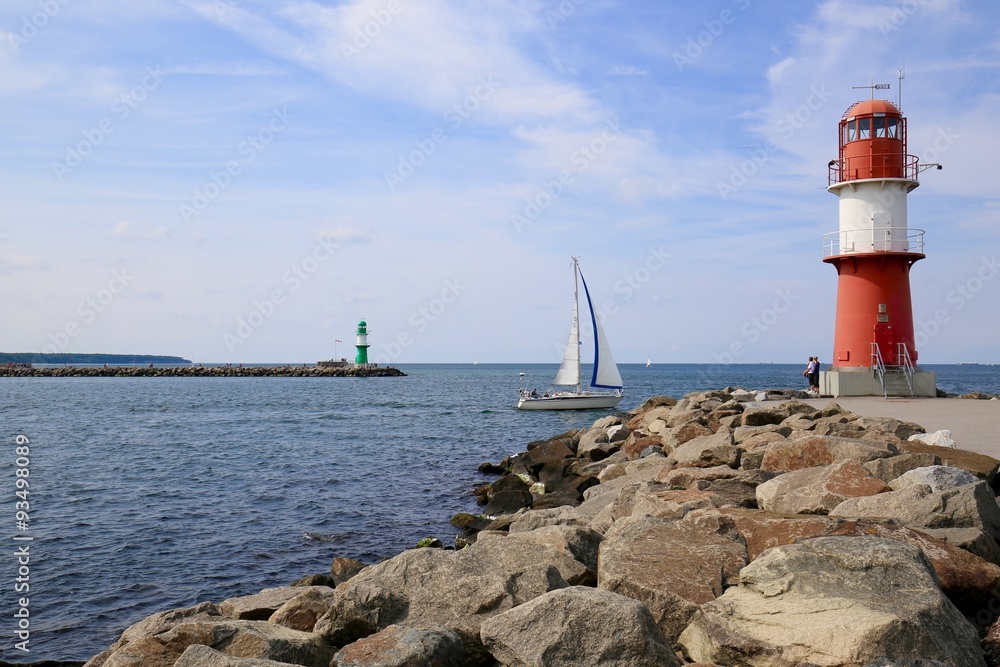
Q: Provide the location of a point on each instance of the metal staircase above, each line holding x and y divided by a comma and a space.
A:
894, 379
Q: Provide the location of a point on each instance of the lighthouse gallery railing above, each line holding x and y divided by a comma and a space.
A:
882, 239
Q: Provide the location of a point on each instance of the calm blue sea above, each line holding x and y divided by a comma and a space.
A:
154, 493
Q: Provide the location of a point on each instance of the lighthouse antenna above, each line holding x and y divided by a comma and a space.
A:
875, 86
901, 72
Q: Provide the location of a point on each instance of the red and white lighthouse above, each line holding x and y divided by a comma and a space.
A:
873, 251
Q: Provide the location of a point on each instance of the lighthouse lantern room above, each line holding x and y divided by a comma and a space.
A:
361, 358
873, 251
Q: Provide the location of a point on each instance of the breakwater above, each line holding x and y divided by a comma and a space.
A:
714, 529
14, 370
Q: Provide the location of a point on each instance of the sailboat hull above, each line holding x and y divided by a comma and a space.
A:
584, 401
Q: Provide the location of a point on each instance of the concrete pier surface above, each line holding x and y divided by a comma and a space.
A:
974, 424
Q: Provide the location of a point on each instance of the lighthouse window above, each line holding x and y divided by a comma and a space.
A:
890, 130
852, 130
878, 125
864, 128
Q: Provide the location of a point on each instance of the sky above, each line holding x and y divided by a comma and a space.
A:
243, 180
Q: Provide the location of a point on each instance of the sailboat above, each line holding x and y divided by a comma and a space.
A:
649, 362
606, 375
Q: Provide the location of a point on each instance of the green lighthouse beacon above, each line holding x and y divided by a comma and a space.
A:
362, 344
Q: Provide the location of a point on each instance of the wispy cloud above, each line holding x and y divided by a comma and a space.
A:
138, 230
241, 68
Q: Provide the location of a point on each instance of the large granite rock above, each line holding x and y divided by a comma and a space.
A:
456, 589
260, 606
240, 639
982, 466
399, 646
833, 601
582, 543
969, 506
817, 490
303, 610
707, 451
673, 567
578, 627
939, 478
198, 655
890, 468
819, 450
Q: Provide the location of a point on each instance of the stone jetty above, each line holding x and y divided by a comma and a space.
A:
728, 527
200, 371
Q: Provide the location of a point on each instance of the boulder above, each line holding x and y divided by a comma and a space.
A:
303, 610
786, 455
937, 438
456, 589
241, 639
578, 626
260, 606
817, 490
819, 450
682, 478
675, 504
762, 416
399, 646
969, 506
634, 449
685, 433
654, 402
198, 655
673, 567
888, 469
595, 444
607, 422
508, 502
967, 580
743, 433
582, 543
679, 418
557, 516
707, 451
762, 530
618, 433
973, 540
980, 465
939, 478
833, 601
553, 450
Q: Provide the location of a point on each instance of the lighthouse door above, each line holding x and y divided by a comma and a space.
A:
885, 339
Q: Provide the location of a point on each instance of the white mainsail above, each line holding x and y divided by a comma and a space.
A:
569, 370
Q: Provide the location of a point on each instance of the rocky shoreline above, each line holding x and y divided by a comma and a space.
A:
200, 371
717, 529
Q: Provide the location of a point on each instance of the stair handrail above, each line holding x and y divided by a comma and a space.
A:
878, 367
908, 368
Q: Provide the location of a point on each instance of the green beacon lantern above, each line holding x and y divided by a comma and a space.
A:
362, 344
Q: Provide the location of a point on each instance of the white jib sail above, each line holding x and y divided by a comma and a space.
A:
606, 375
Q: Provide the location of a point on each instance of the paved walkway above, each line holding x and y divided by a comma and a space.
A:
974, 425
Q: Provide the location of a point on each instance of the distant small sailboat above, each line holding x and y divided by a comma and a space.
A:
648, 362
606, 375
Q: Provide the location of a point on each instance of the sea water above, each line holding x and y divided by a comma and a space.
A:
148, 494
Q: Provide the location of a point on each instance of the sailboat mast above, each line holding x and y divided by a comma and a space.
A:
576, 317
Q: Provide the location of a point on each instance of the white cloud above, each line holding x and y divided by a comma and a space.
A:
11, 263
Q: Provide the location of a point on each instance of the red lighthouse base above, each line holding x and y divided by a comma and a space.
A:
873, 306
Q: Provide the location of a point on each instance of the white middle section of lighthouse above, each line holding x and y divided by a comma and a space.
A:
873, 216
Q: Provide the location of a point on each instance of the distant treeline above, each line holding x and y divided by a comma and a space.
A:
66, 358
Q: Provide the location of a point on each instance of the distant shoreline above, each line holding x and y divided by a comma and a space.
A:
201, 371
97, 358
